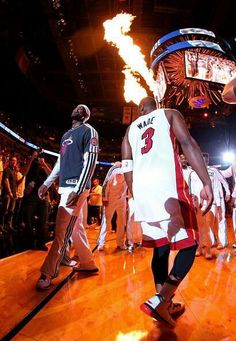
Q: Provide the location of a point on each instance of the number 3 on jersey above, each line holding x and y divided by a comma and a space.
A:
147, 137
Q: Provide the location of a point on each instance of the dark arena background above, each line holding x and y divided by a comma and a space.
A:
53, 58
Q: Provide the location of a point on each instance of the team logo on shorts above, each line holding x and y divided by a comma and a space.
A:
94, 141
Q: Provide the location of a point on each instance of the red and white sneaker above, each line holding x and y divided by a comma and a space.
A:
44, 282
158, 308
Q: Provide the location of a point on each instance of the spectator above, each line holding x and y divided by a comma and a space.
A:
35, 209
9, 194
95, 203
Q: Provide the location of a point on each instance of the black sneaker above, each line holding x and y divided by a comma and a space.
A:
44, 282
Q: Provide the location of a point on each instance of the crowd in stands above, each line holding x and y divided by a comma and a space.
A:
24, 219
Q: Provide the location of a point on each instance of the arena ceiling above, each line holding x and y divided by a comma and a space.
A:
58, 47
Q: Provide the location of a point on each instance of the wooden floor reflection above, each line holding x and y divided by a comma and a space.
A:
105, 306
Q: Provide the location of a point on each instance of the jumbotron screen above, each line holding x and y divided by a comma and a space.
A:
209, 68
161, 84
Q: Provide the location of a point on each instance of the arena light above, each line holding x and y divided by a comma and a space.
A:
228, 157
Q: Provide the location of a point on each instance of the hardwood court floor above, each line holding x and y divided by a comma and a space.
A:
106, 306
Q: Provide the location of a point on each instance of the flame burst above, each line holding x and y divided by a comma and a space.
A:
116, 31
133, 91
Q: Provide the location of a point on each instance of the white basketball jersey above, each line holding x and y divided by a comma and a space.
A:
157, 174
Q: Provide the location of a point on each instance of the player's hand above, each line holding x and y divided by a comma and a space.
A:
72, 199
42, 191
227, 197
206, 195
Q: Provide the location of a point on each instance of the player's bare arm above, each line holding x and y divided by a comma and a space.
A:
126, 153
192, 152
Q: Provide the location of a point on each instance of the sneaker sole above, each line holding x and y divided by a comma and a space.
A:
154, 314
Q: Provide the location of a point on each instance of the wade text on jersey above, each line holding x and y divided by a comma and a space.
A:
145, 123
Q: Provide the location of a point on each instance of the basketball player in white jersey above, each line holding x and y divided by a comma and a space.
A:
162, 202
229, 96
220, 233
114, 200
133, 228
227, 173
185, 168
